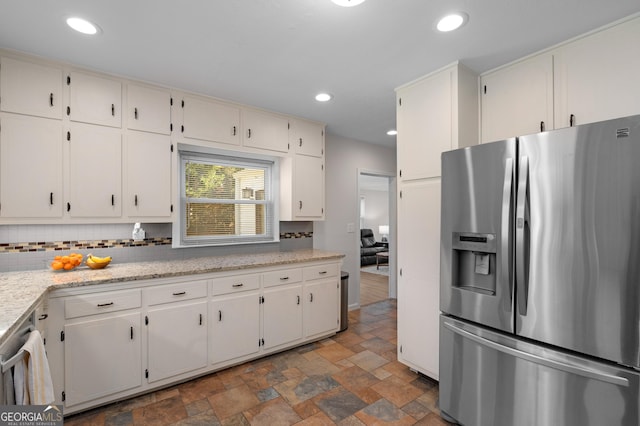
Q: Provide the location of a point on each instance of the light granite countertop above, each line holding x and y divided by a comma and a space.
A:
21, 292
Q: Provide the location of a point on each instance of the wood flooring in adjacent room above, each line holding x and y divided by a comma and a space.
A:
373, 288
351, 378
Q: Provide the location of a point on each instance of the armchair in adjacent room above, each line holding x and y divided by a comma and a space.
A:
369, 247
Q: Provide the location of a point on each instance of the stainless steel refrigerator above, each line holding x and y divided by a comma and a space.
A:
540, 279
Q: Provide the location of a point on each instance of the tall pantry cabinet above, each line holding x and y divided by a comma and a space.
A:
436, 113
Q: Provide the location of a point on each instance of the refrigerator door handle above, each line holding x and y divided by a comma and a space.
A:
505, 260
522, 236
551, 363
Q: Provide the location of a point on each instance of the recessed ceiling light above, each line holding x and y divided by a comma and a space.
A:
347, 3
452, 22
323, 97
82, 25
392, 132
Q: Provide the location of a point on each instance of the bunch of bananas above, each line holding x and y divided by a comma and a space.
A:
95, 262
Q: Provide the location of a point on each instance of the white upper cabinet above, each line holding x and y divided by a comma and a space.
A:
518, 99
94, 100
95, 171
307, 138
435, 114
597, 77
265, 131
30, 167
148, 175
302, 188
29, 88
148, 109
208, 120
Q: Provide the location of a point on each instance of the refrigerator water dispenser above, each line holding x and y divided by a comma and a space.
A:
474, 262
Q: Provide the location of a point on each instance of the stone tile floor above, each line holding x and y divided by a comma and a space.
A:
352, 378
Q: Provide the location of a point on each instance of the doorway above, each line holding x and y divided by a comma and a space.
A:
376, 213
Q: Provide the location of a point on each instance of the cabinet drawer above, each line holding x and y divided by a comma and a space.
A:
235, 284
175, 292
285, 276
92, 304
320, 271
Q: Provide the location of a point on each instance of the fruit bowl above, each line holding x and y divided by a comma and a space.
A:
94, 262
66, 263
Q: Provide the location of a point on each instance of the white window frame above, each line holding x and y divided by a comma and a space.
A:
214, 156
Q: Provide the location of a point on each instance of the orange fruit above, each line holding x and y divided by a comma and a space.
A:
65, 259
69, 266
57, 258
55, 265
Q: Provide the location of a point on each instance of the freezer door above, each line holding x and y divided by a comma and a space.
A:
578, 239
478, 199
492, 379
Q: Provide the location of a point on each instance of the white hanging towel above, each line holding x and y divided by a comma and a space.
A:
32, 377
9, 398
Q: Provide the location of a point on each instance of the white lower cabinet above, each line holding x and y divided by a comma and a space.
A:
102, 357
320, 307
177, 339
122, 339
282, 315
235, 327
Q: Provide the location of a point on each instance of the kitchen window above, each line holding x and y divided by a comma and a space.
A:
226, 200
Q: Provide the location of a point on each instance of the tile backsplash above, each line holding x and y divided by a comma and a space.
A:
30, 247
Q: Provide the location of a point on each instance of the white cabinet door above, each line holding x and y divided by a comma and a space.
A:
148, 177
177, 339
321, 299
234, 327
424, 120
148, 109
282, 315
95, 100
210, 121
419, 277
308, 188
265, 131
95, 161
596, 78
102, 357
29, 88
517, 100
30, 167
307, 138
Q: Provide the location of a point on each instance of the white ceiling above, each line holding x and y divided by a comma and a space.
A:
277, 54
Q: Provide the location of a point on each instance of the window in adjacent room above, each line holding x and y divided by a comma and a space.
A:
226, 200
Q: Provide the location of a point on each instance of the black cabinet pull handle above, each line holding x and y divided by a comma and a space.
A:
311, 298
51, 99
135, 201
113, 200
68, 110
322, 272
298, 300
100, 305
219, 316
234, 130
131, 333
68, 207
200, 319
135, 113
248, 133
300, 205
43, 317
542, 126
284, 278
113, 110
300, 142
180, 293
237, 285
51, 198
572, 120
